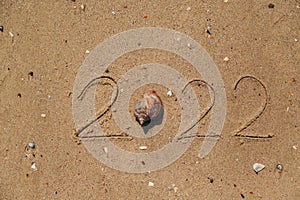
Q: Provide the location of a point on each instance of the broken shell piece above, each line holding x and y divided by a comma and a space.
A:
83, 7
258, 167
33, 166
226, 59
171, 187
11, 36
175, 189
31, 145
169, 93
105, 149
148, 108
143, 147
150, 184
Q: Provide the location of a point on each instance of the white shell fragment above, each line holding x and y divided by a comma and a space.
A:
43, 115
11, 35
169, 93
83, 7
226, 59
105, 149
171, 187
31, 145
150, 184
33, 166
143, 147
175, 189
257, 167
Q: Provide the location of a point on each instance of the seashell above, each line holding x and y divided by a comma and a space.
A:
147, 108
257, 167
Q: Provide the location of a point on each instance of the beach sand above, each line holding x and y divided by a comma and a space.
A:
43, 45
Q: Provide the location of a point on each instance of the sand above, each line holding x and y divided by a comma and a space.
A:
44, 44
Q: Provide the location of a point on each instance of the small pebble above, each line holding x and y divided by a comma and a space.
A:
226, 59
169, 93
87, 51
271, 5
150, 184
188, 8
43, 115
279, 167
225, 1
1, 28
30, 74
113, 12
143, 147
31, 145
207, 30
295, 147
